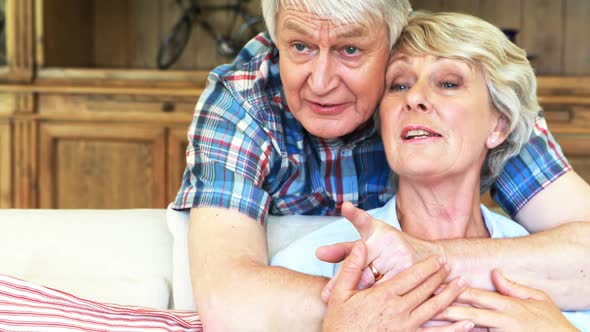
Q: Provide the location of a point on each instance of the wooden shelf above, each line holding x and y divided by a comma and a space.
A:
111, 90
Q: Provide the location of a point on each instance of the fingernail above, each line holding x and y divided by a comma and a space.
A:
468, 326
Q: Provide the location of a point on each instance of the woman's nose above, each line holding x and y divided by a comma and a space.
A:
417, 98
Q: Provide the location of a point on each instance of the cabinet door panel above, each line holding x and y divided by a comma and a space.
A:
5, 166
102, 166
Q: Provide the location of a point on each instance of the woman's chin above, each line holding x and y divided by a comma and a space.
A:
423, 175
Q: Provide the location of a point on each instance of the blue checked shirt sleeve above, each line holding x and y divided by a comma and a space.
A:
228, 157
540, 162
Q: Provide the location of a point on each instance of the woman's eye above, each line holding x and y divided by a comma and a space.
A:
449, 85
300, 47
351, 50
398, 87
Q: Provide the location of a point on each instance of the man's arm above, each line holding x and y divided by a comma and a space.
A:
235, 289
565, 200
555, 259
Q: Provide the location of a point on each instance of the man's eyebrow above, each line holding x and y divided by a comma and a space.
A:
355, 32
290, 25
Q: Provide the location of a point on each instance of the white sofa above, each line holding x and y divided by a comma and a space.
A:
134, 257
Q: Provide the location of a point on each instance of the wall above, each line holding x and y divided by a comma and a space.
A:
555, 31
127, 33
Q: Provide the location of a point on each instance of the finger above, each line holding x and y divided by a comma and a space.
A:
462, 326
334, 253
424, 291
361, 220
345, 285
439, 302
415, 275
367, 279
484, 299
327, 290
513, 289
481, 317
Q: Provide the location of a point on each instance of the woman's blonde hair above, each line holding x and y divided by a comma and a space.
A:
391, 13
508, 74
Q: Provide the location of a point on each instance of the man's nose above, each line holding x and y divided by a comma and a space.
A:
323, 77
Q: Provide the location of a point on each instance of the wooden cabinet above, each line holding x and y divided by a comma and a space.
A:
87, 120
16, 50
5, 165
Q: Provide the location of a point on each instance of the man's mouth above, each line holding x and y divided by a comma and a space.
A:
327, 108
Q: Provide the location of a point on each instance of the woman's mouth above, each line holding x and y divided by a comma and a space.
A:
418, 134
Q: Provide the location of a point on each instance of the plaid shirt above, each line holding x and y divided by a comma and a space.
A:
248, 153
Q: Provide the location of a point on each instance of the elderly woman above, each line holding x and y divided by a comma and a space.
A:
460, 101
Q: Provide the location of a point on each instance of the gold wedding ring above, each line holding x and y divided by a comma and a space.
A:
376, 273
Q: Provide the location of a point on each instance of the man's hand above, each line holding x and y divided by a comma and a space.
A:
402, 303
389, 250
514, 308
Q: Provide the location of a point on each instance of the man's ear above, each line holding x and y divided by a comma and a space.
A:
498, 133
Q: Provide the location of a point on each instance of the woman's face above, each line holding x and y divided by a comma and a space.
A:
436, 117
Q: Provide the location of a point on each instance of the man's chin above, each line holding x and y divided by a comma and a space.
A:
329, 132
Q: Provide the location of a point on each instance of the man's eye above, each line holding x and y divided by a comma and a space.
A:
351, 50
300, 47
449, 85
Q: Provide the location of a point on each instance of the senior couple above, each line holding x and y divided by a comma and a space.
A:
288, 128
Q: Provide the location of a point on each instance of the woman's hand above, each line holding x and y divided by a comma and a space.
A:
389, 250
515, 308
403, 303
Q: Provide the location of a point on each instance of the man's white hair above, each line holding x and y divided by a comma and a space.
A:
392, 13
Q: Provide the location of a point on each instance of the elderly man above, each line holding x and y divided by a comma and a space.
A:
287, 129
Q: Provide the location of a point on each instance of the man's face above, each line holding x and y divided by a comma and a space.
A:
333, 74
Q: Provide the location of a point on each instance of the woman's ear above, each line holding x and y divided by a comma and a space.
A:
498, 133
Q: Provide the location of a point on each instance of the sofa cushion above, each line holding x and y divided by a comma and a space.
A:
112, 256
280, 232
